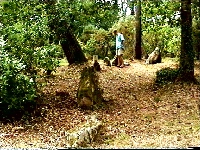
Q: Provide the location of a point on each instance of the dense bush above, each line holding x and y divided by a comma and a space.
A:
25, 57
126, 26
166, 75
48, 57
99, 44
167, 38
102, 42
17, 91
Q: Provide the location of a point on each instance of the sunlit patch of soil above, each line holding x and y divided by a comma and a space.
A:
138, 115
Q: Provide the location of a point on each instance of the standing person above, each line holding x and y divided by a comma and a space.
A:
119, 48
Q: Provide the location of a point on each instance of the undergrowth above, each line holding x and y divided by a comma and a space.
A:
166, 75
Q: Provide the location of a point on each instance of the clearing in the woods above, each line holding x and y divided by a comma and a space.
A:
139, 114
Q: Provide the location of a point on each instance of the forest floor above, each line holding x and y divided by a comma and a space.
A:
138, 115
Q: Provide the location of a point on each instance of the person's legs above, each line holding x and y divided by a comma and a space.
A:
121, 58
121, 61
118, 61
118, 57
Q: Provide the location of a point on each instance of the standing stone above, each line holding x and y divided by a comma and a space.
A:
89, 93
84, 134
154, 57
96, 65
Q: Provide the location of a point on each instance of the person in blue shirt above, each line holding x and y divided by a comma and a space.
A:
119, 48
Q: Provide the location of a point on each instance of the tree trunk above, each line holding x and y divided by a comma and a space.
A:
71, 47
138, 51
187, 52
64, 34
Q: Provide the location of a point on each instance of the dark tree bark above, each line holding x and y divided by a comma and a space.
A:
71, 47
187, 52
138, 51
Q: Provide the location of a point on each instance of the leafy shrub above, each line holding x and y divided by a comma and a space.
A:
27, 37
88, 31
99, 43
26, 54
48, 57
90, 47
167, 38
17, 91
127, 27
166, 75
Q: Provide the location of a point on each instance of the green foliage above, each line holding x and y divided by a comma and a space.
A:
99, 43
196, 38
79, 14
85, 18
165, 37
126, 26
159, 13
166, 75
27, 38
48, 57
161, 26
27, 53
88, 31
17, 91
90, 47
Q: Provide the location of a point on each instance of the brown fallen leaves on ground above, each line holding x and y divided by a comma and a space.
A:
138, 115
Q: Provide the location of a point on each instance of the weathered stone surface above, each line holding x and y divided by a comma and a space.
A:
110, 62
107, 61
84, 134
154, 57
114, 61
17, 129
96, 66
89, 93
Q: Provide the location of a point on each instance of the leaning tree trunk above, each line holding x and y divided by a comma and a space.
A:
71, 47
187, 52
138, 51
64, 34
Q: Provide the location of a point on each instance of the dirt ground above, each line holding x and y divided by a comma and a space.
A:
139, 115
